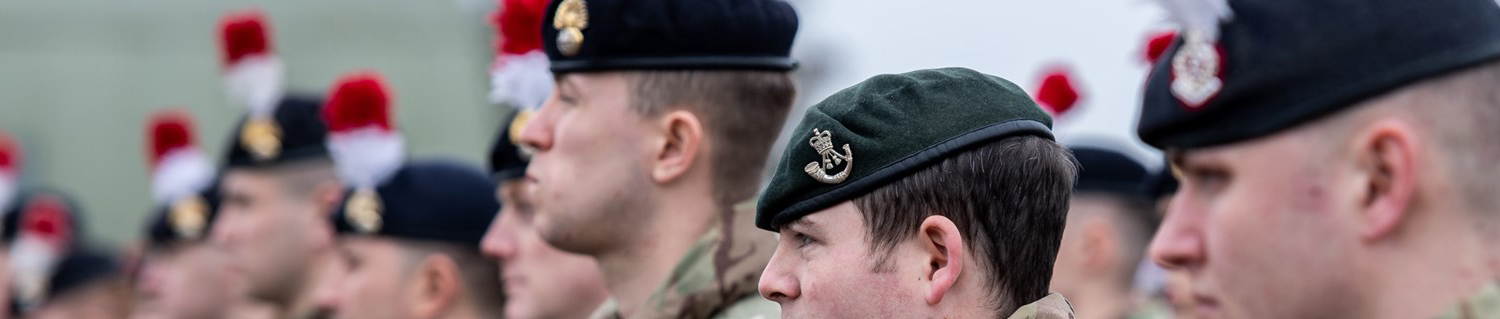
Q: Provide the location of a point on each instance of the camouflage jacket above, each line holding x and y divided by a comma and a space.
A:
1053, 306
1482, 305
717, 278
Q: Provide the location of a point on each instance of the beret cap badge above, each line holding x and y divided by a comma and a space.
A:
1195, 70
189, 217
822, 141
518, 124
262, 137
363, 211
572, 17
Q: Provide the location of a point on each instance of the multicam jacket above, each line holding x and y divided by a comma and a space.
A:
717, 279
1482, 305
1053, 306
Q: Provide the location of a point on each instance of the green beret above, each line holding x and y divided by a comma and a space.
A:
888, 127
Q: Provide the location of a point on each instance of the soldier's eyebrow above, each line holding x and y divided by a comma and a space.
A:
804, 225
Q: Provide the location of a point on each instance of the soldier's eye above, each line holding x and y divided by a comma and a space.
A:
802, 240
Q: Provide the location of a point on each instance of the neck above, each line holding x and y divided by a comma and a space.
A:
1442, 264
641, 265
304, 303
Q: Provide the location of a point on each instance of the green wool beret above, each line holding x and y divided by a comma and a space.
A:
888, 127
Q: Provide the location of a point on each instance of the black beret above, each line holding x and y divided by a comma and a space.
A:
507, 160
1284, 63
888, 127
303, 136
1108, 171
1160, 182
79, 268
436, 200
188, 219
604, 35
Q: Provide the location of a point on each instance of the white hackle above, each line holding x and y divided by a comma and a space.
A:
180, 173
522, 80
1199, 16
366, 156
256, 82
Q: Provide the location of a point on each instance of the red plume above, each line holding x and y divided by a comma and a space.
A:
518, 25
170, 130
1057, 93
10, 153
1158, 45
243, 33
49, 217
358, 100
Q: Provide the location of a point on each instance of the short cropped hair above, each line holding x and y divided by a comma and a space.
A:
479, 275
741, 111
1009, 200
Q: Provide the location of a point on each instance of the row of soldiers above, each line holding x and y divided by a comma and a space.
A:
1331, 156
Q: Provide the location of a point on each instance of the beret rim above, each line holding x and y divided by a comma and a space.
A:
1211, 130
771, 218
772, 63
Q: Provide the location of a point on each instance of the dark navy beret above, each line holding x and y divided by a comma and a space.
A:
187, 220
299, 134
437, 200
1283, 63
507, 159
605, 35
1108, 171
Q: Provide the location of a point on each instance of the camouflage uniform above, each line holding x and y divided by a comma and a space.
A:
1053, 306
1151, 308
1482, 305
717, 278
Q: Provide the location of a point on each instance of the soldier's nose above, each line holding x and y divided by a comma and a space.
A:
1179, 241
537, 134
776, 282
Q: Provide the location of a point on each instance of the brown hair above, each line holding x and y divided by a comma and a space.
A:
1009, 200
742, 111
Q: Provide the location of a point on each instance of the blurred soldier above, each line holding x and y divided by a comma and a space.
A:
1109, 225
933, 193
409, 232
279, 186
660, 123
1336, 157
541, 282
58, 274
182, 277
1176, 290
10, 176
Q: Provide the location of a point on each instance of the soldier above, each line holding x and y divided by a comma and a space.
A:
540, 281
941, 187
1109, 224
1332, 157
58, 273
180, 275
10, 170
409, 232
279, 186
661, 121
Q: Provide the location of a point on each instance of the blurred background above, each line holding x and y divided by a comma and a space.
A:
79, 78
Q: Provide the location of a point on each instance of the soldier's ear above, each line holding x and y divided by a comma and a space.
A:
437, 285
1387, 155
944, 249
678, 147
